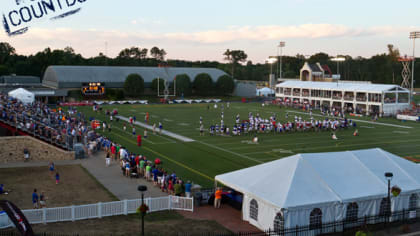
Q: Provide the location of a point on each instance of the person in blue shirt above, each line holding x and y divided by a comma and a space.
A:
188, 186
35, 199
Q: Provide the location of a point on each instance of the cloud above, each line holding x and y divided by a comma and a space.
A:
92, 41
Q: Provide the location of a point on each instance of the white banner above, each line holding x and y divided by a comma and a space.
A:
406, 117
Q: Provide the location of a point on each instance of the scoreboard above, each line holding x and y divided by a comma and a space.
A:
93, 89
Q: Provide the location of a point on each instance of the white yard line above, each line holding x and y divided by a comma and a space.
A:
363, 121
228, 151
164, 132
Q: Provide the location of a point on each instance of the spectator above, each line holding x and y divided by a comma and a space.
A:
2, 190
26, 154
107, 159
57, 178
35, 199
178, 189
188, 186
42, 200
51, 168
217, 198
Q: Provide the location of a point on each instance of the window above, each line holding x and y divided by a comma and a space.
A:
253, 210
315, 219
413, 202
279, 223
385, 207
352, 212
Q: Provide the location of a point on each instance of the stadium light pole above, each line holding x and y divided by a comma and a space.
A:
338, 60
281, 46
413, 35
142, 189
271, 61
388, 176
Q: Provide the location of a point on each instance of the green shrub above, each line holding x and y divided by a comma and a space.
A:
203, 84
133, 86
225, 85
183, 85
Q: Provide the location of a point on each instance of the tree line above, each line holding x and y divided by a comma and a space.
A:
380, 68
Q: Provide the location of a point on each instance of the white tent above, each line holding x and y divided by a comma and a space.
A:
22, 95
287, 190
265, 92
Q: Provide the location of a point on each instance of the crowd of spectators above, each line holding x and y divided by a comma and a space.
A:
52, 125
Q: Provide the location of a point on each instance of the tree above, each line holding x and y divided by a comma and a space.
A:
225, 85
234, 57
203, 84
4, 70
158, 54
133, 53
183, 85
133, 85
155, 85
6, 50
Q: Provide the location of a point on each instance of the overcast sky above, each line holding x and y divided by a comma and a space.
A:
203, 30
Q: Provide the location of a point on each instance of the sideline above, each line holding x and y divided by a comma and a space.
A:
164, 132
362, 121
169, 159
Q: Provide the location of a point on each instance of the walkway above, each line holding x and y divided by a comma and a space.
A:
227, 216
164, 132
111, 177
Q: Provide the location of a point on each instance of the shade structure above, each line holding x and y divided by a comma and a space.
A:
22, 95
295, 186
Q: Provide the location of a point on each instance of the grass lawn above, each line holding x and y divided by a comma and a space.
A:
209, 156
76, 187
157, 223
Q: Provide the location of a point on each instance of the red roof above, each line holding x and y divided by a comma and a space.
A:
327, 69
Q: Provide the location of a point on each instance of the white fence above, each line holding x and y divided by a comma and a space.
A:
99, 210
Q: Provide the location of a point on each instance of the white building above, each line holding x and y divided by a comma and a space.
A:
313, 189
358, 97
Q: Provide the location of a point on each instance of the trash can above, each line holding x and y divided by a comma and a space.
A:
198, 197
79, 151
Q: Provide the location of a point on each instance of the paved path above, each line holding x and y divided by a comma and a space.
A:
164, 132
111, 177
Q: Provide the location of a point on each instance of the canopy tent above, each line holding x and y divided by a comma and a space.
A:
265, 92
22, 95
292, 188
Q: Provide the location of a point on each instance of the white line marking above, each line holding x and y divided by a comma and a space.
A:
164, 132
362, 121
234, 153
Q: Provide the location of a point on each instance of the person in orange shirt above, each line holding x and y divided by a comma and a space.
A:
217, 198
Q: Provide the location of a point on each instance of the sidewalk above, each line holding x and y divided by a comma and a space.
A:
111, 177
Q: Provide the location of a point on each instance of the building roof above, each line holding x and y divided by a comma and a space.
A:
19, 79
309, 179
341, 86
315, 68
73, 76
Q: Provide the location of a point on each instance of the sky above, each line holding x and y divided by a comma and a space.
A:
203, 30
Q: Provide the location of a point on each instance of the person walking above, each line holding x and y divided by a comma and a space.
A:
42, 200
107, 159
35, 199
57, 178
217, 198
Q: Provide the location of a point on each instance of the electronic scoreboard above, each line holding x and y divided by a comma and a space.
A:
93, 89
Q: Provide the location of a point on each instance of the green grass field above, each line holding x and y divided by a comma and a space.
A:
209, 156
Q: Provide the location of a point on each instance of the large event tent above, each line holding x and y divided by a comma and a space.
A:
314, 188
22, 95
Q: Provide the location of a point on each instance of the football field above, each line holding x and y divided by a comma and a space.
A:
207, 156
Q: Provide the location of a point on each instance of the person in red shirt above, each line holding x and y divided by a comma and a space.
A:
114, 152
139, 140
